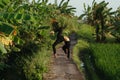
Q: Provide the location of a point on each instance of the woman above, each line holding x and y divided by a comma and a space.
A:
60, 38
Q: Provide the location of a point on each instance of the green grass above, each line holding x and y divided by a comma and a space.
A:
82, 60
101, 60
107, 60
85, 32
76, 50
29, 64
38, 65
104, 63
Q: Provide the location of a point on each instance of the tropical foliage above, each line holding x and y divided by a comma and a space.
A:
116, 25
99, 61
100, 16
24, 29
96, 57
25, 42
19, 19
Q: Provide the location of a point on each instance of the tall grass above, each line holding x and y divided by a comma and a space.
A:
76, 50
38, 65
103, 63
86, 32
107, 60
82, 59
101, 60
29, 64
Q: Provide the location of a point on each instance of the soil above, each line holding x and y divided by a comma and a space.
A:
63, 68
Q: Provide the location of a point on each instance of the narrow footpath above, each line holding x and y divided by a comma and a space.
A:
63, 68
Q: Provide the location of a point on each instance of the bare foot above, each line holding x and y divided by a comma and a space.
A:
55, 55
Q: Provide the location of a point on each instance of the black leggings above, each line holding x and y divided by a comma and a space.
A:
66, 47
54, 44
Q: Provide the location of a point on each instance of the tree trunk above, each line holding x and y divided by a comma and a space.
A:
97, 33
103, 37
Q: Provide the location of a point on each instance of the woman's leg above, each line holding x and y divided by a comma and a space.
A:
68, 49
54, 45
64, 49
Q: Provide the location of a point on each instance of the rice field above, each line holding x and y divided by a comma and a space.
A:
101, 60
106, 58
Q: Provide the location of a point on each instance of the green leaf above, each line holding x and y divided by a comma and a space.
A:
1, 5
72, 9
5, 2
111, 13
15, 49
5, 15
2, 49
26, 17
18, 41
65, 4
84, 6
43, 33
61, 3
11, 16
81, 16
6, 28
18, 16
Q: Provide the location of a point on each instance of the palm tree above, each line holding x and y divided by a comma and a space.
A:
102, 14
65, 8
98, 15
116, 25
87, 14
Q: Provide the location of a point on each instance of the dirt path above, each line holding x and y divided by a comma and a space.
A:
63, 69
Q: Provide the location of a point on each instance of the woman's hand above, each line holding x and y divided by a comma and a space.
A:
52, 32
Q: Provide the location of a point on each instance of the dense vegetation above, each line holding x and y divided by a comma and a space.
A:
100, 61
98, 44
25, 42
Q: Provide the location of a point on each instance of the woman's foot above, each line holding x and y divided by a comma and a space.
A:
55, 55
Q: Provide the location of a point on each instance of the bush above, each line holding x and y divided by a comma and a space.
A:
85, 32
29, 64
38, 65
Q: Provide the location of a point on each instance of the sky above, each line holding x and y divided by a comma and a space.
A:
78, 4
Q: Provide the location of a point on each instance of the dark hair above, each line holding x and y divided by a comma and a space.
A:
55, 24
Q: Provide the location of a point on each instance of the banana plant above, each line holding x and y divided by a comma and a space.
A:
87, 14
98, 15
65, 8
102, 15
116, 25
12, 19
26, 19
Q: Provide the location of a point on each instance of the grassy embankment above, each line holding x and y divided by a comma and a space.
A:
29, 64
101, 60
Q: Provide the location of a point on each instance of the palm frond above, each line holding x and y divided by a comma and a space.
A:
61, 3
